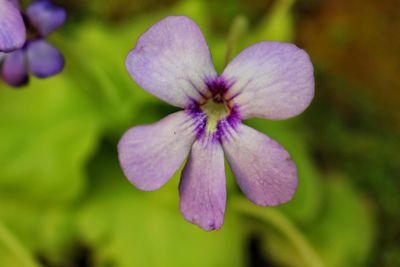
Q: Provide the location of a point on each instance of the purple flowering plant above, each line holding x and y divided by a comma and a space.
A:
23, 48
271, 80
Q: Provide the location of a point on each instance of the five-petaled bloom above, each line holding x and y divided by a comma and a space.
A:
270, 80
33, 55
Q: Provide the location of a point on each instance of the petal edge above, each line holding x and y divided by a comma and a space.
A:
45, 16
202, 189
44, 59
272, 80
263, 168
171, 60
14, 68
150, 154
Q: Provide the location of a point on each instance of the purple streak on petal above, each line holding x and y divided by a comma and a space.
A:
272, 80
151, 154
263, 169
12, 27
202, 188
44, 59
223, 126
226, 125
14, 69
45, 16
199, 118
171, 61
218, 86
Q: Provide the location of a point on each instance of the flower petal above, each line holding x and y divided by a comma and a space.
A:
45, 16
271, 80
15, 3
172, 61
14, 69
151, 154
44, 59
12, 27
262, 167
202, 188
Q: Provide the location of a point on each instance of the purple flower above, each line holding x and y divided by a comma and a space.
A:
270, 80
12, 28
36, 55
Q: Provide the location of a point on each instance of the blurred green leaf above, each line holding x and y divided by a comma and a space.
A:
277, 25
48, 232
103, 80
12, 252
344, 233
279, 236
47, 132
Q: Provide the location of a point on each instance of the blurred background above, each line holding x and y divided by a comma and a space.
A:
64, 201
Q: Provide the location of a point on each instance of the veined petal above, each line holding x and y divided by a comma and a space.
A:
172, 61
44, 59
151, 154
202, 188
12, 27
14, 70
45, 16
263, 169
271, 80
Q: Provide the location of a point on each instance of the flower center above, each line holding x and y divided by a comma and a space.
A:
215, 115
216, 109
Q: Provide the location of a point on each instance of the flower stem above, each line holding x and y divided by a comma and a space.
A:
284, 226
238, 27
15, 247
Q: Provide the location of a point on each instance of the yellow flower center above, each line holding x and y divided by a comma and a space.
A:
215, 111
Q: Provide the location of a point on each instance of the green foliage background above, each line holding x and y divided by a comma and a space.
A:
65, 202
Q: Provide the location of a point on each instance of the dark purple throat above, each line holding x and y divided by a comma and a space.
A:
216, 115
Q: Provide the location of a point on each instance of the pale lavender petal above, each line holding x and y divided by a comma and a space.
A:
271, 80
45, 16
12, 27
151, 154
263, 169
202, 188
14, 69
172, 60
44, 59
15, 3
